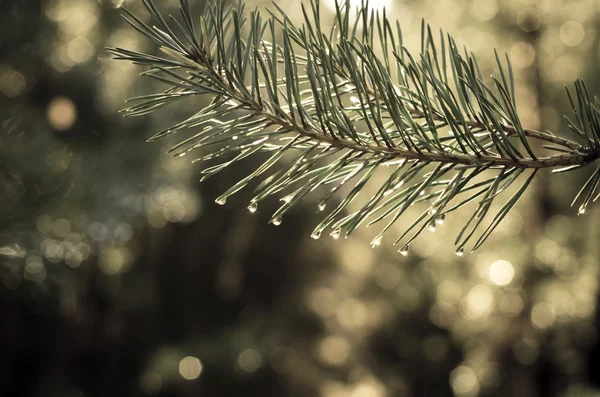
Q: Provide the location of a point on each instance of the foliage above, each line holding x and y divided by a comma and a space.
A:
333, 109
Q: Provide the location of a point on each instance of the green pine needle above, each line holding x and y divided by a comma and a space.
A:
332, 113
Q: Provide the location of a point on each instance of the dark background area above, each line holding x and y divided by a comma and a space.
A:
120, 276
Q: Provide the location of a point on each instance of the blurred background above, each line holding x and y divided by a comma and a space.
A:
120, 276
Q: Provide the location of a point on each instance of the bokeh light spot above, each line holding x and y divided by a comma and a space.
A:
484, 10
61, 227
478, 304
323, 301
529, 19
156, 218
449, 292
44, 224
80, 50
73, 258
123, 232
566, 68
12, 82
572, 33
249, 360
334, 350
114, 260
464, 381
542, 315
501, 272
352, 313
368, 389
190, 368
61, 113
511, 304
522, 54
174, 211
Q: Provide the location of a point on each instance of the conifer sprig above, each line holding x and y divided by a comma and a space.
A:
334, 108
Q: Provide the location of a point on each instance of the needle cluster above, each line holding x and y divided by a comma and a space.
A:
332, 109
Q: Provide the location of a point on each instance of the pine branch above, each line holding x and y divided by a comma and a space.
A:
333, 113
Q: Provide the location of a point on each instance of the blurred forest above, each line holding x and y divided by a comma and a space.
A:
120, 276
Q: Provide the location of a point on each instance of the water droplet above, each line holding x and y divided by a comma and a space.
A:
321, 206
235, 137
581, 210
459, 252
431, 227
440, 219
316, 234
404, 250
354, 100
422, 193
376, 241
336, 234
432, 211
253, 207
221, 200
276, 221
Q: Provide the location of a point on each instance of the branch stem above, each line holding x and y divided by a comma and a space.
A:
562, 160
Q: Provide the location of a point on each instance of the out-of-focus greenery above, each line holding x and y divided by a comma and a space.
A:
120, 276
